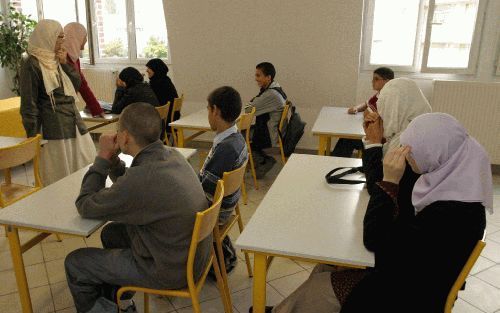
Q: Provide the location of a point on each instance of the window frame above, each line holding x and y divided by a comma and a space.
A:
421, 54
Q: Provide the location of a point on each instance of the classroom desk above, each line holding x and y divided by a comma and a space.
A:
101, 121
48, 211
303, 218
336, 122
197, 121
11, 124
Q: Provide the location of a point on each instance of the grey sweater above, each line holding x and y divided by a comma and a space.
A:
157, 198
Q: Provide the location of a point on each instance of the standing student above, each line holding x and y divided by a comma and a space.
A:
75, 40
345, 147
48, 93
147, 243
131, 88
268, 105
229, 152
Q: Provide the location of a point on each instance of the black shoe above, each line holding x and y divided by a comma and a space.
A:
268, 309
262, 169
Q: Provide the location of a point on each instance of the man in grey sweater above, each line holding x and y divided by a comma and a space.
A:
153, 205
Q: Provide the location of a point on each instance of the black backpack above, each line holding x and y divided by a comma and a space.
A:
292, 131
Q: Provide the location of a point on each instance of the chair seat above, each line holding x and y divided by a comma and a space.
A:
224, 229
14, 192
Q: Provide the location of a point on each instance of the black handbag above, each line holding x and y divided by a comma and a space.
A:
333, 178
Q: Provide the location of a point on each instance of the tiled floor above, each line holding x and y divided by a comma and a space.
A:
49, 291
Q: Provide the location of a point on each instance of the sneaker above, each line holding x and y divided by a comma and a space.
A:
268, 309
262, 169
130, 309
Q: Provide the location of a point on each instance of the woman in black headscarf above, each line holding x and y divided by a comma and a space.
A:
131, 88
162, 85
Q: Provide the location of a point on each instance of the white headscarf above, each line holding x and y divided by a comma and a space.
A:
399, 102
41, 45
75, 34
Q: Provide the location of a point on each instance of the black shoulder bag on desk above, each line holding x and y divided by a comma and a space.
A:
333, 178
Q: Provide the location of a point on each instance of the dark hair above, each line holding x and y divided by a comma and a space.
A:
141, 121
228, 100
267, 68
159, 67
131, 76
384, 72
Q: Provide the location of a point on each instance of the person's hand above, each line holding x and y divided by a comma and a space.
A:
374, 131
370, 116
120, 83
395, 164
62, 56
352, 110
108, 146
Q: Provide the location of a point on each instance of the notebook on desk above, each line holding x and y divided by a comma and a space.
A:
106, 106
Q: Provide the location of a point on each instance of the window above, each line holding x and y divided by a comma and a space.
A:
128, 30
123, 31
439, 36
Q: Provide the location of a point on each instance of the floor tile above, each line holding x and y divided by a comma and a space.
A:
30, 257
208, 292
464, 307
482, 263
68, 310
36, 275
286, 285
55, 271
62, 296
492, 251
238, 278
210, 306
156, 303
281, 267
491, 275
54, 250
491, 228
494, 236
41, 301
242, 300
481, 295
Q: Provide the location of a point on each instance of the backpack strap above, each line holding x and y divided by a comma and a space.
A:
333, 178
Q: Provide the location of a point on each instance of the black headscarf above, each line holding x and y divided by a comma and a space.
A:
131, 76
159, 68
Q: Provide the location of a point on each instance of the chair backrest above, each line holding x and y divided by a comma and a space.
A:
21, 153
245, 120
163, 111
177, 106
205, 223
284, 115
463, 275
233, 180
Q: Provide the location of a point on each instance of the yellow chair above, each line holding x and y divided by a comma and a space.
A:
15, 156
163, 111
232, 182
204, 225
281, 127
244, 124
452, 296
177, 106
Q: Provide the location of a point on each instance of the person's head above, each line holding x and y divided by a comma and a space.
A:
224, 107
130, 76
380, 77
139, 125
398, 104
48, 36
454, 166
264, 74
156, 68
75, 39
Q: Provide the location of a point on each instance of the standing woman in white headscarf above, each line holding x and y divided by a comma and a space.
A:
399, 102
74, 41
48, 95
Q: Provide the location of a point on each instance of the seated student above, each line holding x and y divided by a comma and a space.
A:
399, 103
131, 88
417, 259
148, 241
74, 41
268, 108
345, 147
229, 152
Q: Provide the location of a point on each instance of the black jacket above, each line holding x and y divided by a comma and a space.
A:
165, 92
417, 257
140, 92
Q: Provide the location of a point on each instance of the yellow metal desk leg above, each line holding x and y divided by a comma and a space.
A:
17, 261
259, 283
328, 147
180, 138
322, 144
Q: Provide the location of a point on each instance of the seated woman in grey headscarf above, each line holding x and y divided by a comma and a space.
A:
48, 93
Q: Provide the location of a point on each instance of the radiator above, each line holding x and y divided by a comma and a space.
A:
102, 82
477, 106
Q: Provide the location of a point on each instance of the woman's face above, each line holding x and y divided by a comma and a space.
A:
59, 42
149, 72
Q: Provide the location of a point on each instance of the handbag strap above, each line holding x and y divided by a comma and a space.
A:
333, 178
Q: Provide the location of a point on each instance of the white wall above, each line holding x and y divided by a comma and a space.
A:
5, 84
486, 69
314, 46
